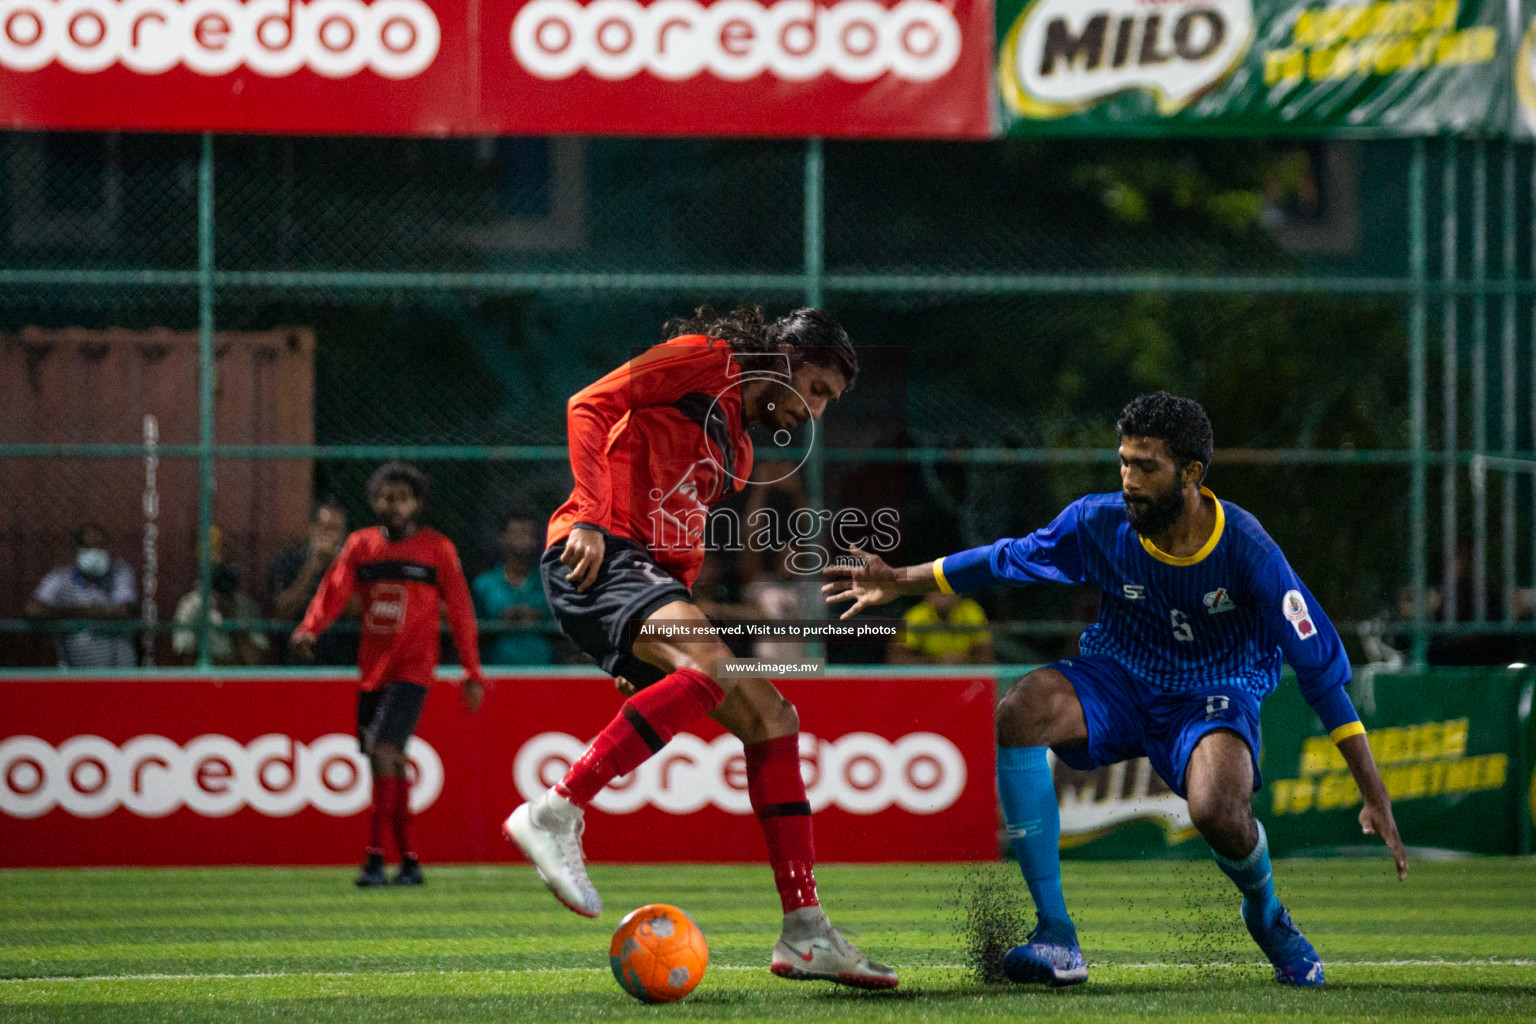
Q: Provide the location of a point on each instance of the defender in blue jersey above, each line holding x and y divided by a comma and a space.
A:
1199, 607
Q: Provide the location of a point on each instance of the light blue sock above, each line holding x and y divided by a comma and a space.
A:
1034, 829
1253, 876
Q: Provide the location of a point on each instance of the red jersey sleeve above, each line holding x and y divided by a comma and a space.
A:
335, 590
461, 610
659, 376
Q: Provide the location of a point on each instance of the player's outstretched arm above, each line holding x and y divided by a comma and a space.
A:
335, 591
1049, 555
1376, 816
873, 582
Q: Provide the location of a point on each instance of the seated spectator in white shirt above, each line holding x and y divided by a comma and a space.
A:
97, 586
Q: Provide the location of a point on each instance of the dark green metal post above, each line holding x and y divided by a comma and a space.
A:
815, 225
205, 392
1418, 252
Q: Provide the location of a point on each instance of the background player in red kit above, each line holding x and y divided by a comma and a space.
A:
402, 568
653, 445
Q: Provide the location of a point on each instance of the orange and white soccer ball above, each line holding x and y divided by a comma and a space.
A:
658, 954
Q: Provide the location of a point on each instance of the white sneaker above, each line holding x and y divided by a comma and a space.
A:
829, 956
552, 840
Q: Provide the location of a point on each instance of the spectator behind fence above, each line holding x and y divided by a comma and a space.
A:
229, 605
294, 574
512, 592
96, 586
944, 629
1471, 643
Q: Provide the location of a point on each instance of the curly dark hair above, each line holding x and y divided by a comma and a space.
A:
814, 335
396, 472
1179, 421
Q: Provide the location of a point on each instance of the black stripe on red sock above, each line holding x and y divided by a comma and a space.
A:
784, 810
643, 729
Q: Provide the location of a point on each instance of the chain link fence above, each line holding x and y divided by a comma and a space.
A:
219, 332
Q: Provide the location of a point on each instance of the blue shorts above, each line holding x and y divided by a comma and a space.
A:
1129, 718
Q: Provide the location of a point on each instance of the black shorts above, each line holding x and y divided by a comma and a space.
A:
389, 714
629, 587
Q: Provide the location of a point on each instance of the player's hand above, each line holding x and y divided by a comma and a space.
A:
471, 694
583, 552
1376, 820
870, 583
302, 644
624, 686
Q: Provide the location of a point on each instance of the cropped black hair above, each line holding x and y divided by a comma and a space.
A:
86, 527
814, 335
1179, 421
396, 472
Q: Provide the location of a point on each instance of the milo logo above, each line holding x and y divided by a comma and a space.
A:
1063, 56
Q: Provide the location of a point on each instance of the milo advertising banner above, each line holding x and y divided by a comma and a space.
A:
1455, 750
1143, 67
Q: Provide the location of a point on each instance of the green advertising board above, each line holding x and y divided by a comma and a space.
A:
1258, 67
1455, 749
1451, 747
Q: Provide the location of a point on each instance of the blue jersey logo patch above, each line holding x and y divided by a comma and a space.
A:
1218, 601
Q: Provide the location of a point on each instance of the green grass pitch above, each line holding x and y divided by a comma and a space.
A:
1457, 942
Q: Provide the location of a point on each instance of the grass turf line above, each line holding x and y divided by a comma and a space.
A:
488, 944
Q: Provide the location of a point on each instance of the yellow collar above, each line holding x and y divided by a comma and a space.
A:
1205, 549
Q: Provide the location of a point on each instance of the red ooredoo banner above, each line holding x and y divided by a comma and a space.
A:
267, 771
849, 68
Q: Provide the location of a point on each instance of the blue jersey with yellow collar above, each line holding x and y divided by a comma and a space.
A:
1227, 614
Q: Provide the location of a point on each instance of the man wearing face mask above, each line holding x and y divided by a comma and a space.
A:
513, 592
97, 586
230, 604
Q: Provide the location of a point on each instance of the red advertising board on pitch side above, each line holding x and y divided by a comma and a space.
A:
841, 68
195, 771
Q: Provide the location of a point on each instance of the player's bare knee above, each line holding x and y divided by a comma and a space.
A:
765, 717
1024, 714
387, 759
1225, 821
780, 719
1014, 719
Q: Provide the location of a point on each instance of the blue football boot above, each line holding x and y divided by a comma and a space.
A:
1296, 962
410, 873
372, 873
1042, 961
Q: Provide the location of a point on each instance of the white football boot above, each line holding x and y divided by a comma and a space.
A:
548, 831
811, 949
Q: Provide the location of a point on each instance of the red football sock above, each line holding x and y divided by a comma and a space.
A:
778, 798
404, 818
642, 727
385, 793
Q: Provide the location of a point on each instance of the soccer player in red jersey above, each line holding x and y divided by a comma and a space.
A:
403, 568
653, 445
